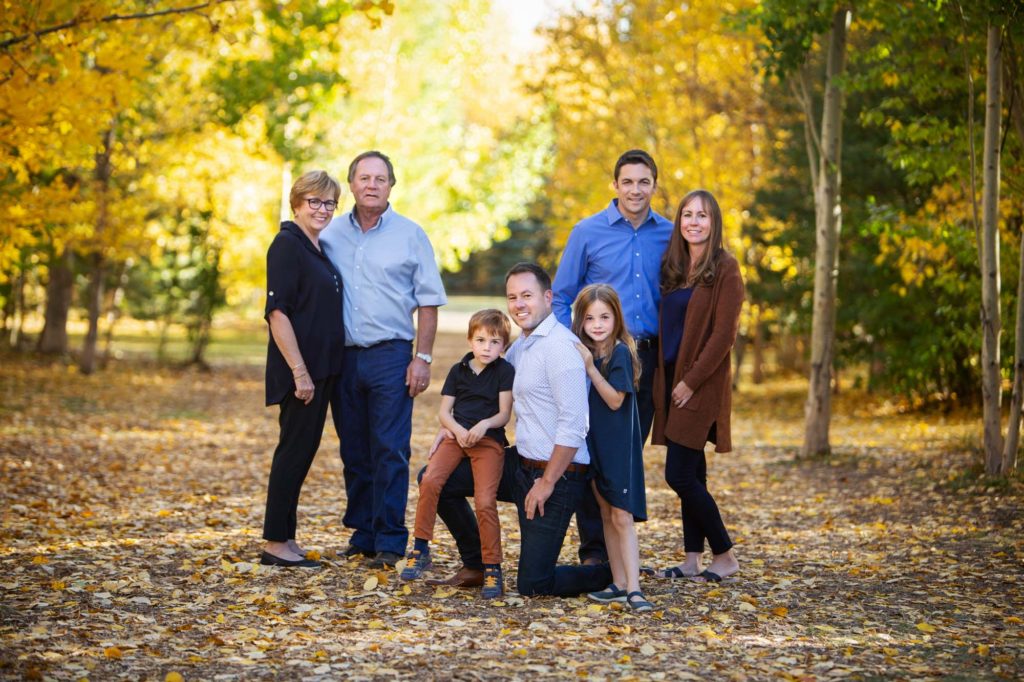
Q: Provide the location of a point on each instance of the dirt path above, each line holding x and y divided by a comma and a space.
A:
132, 504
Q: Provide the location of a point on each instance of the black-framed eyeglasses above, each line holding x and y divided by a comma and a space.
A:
317, 204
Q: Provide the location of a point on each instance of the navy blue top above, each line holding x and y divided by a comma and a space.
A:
614, 440
673, 320
476, 395
304, 285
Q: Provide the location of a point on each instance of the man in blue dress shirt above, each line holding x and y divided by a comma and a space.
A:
621, 246
388, 269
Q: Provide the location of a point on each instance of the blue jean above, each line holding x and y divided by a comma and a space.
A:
541, 538
372, 414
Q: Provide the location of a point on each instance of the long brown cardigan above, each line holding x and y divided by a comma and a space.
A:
703, 362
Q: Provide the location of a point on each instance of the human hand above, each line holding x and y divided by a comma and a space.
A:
538, 495
442, 434
588, 357
417, 377
304, 387
681, 394
474, 435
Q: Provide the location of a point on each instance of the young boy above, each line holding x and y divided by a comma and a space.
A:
476, 403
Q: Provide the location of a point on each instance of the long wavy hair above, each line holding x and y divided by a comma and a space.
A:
677, 271
606, 294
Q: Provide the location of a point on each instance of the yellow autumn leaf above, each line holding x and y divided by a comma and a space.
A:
57, 584
625, 659
780, 611
174, 677
40, 559
165, 512
406, 590
889, 651
375, 624
519, 652
925, 627
983, 649
370, 584
112, 652
313, 554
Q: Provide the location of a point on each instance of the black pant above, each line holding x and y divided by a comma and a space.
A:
540, 539
588, 513
686, 472
301, 429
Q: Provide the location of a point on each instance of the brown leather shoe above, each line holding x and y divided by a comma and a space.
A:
464, 577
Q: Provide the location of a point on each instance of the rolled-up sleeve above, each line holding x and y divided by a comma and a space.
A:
568, 380
282, 275
427, 286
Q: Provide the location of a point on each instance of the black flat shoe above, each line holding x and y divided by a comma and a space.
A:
268, 559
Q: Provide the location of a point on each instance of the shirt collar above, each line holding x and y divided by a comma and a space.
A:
469, 356
293, 227
545, 327
614, 215
384, 217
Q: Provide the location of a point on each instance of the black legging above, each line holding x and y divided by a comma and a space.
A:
686, 472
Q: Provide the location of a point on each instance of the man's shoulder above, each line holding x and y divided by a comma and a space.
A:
593, 222
396, 220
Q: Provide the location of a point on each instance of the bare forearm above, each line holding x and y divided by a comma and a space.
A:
609, 394
561, 457
284, 338
426, 329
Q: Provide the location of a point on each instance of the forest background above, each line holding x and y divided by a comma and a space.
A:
867, 155
145, 148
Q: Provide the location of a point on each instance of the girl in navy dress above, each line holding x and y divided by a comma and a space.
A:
614, 440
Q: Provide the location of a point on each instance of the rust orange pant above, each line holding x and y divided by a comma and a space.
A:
487, 460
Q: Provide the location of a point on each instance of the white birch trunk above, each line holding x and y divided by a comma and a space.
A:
991, 381
828, 223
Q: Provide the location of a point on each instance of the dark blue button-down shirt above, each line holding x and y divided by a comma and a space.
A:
605, 248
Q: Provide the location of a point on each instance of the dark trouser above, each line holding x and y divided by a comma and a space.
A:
686, 473
373, 417
301, 429
541, 538
588, 513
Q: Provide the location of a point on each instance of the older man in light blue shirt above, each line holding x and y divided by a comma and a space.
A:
388, 269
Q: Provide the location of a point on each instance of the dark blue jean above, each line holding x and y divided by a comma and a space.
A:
372, 414
541, 539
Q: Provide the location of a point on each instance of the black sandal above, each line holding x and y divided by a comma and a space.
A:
636, 601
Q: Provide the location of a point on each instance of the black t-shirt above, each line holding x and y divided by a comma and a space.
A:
476, 395
304, 285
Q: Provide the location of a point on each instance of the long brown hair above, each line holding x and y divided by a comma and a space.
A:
677, 272
606, 294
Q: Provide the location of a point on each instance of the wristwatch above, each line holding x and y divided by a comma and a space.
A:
425, 357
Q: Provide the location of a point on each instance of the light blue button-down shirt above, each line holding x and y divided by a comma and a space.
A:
387, 271
549, 392
605, 248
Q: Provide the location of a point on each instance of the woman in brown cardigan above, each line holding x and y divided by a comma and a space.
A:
702, 293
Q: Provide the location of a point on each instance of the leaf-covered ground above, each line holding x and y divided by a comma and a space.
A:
131, 505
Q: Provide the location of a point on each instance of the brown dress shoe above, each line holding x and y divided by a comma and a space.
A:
464, 577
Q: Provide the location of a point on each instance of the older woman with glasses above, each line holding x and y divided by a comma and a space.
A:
307, 339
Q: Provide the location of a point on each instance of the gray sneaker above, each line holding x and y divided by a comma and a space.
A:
416, 564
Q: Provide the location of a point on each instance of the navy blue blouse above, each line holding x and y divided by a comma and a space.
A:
304, 285
673, 321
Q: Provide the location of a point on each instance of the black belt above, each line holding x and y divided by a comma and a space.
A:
645, 343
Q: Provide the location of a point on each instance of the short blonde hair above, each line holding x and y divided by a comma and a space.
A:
314, 182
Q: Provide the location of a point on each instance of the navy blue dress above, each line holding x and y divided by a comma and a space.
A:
616, 451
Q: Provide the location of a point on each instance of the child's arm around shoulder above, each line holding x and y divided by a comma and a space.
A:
611, 396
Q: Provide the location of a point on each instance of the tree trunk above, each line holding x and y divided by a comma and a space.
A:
54, 339
991, 324
1009, 462
94, 303
104, 170
828, 224
114, 314
758, 360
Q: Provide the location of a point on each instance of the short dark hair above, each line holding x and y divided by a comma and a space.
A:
543, 278
636, 156
492, 321
372, 154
